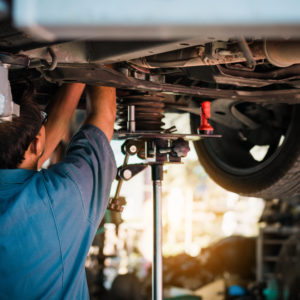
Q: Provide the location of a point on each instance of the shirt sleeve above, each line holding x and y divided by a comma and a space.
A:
90, 164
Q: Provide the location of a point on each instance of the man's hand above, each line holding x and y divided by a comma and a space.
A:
101, 108
60, 112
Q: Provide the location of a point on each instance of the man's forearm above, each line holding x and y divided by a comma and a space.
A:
101, 108
60, 112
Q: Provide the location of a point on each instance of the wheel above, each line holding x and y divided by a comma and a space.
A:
234, 161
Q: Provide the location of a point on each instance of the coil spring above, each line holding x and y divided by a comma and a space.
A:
149, 112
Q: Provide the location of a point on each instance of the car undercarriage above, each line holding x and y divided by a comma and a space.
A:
251, 80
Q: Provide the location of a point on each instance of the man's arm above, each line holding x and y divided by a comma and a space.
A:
60, 112
101, 108
89, 161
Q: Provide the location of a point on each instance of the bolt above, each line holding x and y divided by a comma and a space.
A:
127, 174
133, 149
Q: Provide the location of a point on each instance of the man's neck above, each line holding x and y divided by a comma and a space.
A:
28, 165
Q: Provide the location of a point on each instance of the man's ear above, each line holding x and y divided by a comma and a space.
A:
37, 146
34, 151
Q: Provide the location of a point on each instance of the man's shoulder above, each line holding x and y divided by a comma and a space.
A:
91, 132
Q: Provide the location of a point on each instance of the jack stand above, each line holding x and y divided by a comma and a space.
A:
157, 148
162, 148
157, 282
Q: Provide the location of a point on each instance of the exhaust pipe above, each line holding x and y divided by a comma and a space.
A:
278, 53
282, 53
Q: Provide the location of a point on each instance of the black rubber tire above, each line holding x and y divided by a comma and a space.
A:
278, 179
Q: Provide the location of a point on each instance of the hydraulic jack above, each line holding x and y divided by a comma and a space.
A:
157, 149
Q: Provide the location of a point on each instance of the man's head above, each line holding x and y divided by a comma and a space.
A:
22, 140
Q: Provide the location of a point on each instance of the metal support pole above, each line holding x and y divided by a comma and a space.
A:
157, 287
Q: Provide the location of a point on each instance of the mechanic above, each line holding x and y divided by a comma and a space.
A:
48, 218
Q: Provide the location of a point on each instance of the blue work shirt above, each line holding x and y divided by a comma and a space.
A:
48, 220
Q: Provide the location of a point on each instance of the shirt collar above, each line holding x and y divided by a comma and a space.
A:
15, 175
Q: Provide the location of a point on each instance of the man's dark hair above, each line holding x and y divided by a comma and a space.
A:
16, 136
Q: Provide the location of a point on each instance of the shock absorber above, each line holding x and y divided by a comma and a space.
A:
149, 112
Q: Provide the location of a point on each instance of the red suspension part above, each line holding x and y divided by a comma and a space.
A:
205, 127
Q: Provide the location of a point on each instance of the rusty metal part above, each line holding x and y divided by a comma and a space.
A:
244, 82
282, 53
286, 74
247, 53
255, 79
108, 77
107, 52
149, 112
53, 63
212, 54
279, 53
